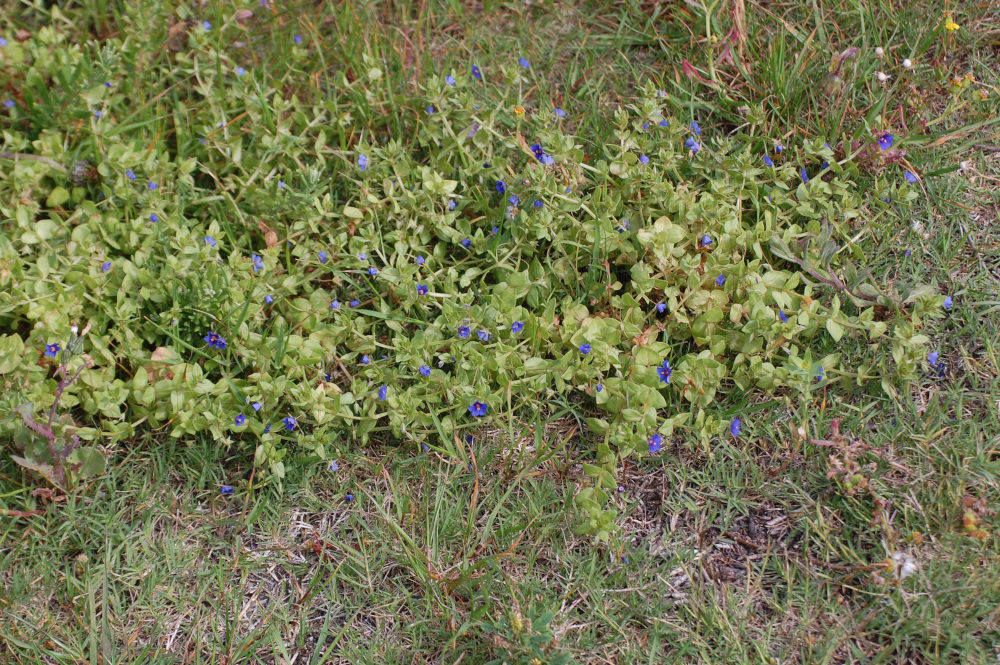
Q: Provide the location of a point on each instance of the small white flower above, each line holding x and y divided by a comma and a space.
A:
879, 52
903, 565
907, 63
882, 77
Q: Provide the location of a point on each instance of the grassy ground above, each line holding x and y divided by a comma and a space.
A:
750, 553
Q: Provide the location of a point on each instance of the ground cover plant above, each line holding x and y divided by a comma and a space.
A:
416, 345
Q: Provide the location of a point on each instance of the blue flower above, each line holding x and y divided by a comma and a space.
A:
720, 280
335, 305
495, 230
240, 420
281, 184
947, 302
383, 392
661, 307
643, 159
258, 262
322, 256
466, 243
267, 428
692, 145
524, 63
152, 185
257, 406
932, 358
599, 387
106, 266
210, 241
354, 303
362, 162
645, 125
664, 372
767, 160
240, 71
475, 72
9, 103
206, 25
214, 340
516, 327
226, 490
297, 39
782, 316
362, 256
907, 253
483, 336
778, 148
421, 289
348, 498
478, 409
655, 443
501, 186
463, 332
450, 80
559, 112
909, 177
97, 114
420, 260
451, 204
290, 423
424, 370
663, 123
803, 175
268, 299
52, 350
366, 359
3, 42
430, 110
885, 141
820, 374
706, 240
538, 204
372, 271
734, 427
585, 349
334, 466
153, 217
696, 128
514, 200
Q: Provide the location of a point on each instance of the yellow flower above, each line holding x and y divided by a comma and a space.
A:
950, 25
519, 109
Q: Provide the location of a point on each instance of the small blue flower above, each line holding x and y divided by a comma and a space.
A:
907, 253
106, 266
885, 141
696, 128
3, 42
226, 490
424, 370
52, 350
734, 427
362, 256
782, 316
451, 204
297, 39
524, 62
655, 443
483, 336
803, 175
240, 420
706, 240
362, 162
290, 423
430, 110
778, 148
335, 305
538, 204
599, 387
720, 280
267, 428
692, 145
947, 303
643, 159
383, 392
909, 177
214, 340
97, 114
421, 289
514, 200
354, 303
420, 260
450, 80
152, 185
466, 243
585, 349
268, 299
206, 25
153, 217
559, 112
366, 359
932, 358
9, 103
281, 184
661, 307
348, 498
257, 406
501, 186
240, 71
645, 125
322, 256
210, 241
478, 409
463, 332
372, 271
334, 466
820, 374
767, 160
476, 73
516, 327
663, 123
664, 371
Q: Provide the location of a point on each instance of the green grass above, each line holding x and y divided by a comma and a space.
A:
745, 553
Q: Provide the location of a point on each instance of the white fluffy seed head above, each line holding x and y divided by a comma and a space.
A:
907, 63
879, 52
882, 77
